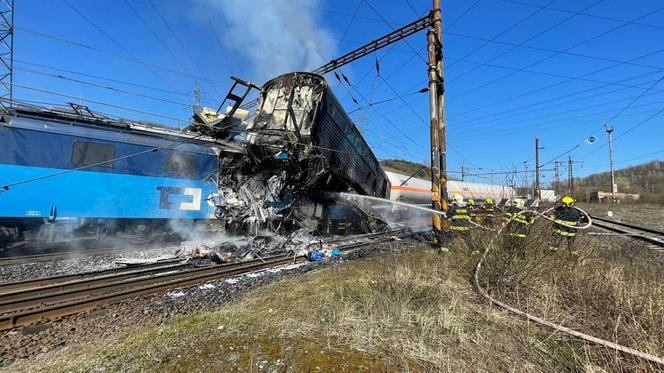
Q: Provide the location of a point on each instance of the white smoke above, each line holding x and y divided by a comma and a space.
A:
275, 36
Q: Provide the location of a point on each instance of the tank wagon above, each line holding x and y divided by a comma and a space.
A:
108, 193
418, 191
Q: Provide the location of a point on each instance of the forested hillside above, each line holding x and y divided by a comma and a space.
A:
646, 179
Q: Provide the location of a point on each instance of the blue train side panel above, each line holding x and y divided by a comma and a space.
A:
136, 187
86, 194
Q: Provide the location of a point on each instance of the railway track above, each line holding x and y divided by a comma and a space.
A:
652, 236
29, 302
65, 254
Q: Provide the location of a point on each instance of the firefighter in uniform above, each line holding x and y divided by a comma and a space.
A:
471, 207
459, 223
517, 225
566, 217
488, 212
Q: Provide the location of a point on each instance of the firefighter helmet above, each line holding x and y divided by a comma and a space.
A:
489, 200
567, 201
471, 201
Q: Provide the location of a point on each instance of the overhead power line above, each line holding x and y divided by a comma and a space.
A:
132, 84
175, 36
567, 95
584, 14
530, 93
97, 102
109, 37
576, 45
120, 56
510, 28
156, 36
543, 126
615, 116
114, 89
538, 122
374, 103
550, 50
639, 124
528, 39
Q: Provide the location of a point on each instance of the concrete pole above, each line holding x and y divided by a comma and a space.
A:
436, 197
537, 169
442, 137
614, 187
437, 117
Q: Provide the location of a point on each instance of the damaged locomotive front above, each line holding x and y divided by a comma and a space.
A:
299, 151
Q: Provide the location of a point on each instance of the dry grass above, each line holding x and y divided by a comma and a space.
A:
614, 289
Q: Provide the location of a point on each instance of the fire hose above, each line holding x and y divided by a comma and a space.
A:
560, 328
563, 329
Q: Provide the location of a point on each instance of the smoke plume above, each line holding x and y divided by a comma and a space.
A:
275, 36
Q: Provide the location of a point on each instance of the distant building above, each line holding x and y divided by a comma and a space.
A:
607, 196
548, 195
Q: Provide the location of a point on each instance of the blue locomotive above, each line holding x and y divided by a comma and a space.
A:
72, 173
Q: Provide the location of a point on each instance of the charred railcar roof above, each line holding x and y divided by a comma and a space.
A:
295, 75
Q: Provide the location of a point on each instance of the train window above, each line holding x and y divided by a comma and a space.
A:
89, 153
180, 164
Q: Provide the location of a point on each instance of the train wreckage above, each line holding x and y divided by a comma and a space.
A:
300, 150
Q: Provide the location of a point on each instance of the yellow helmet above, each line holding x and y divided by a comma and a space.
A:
471, 201
489, 200
567, 201
518, 203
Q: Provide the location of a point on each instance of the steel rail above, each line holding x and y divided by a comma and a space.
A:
617, 227
94, 301
55, 255
41, 295
629, 225
52, 296
12, 287
53, 301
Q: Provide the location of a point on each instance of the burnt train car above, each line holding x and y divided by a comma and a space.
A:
301, 147
299, 110
68, 174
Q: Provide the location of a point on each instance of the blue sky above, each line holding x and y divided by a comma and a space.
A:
514, 69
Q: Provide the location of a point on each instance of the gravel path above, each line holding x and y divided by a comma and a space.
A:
113, 321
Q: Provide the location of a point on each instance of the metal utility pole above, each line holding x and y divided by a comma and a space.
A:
570, 176
463, 173
6, 53
196, 102
537, 193
526, 186
614, 187
556, 177
437, 116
